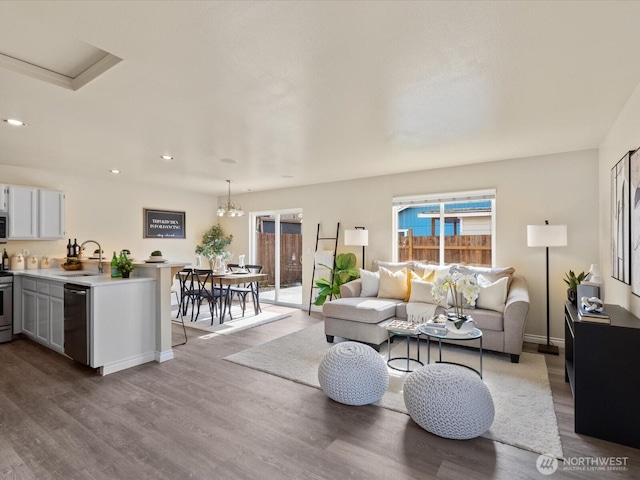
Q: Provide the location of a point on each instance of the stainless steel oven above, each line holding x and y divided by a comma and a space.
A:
6, 307
4, 227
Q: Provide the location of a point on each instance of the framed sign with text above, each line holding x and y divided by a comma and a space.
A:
163, 224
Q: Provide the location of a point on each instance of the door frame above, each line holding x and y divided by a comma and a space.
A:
253, 246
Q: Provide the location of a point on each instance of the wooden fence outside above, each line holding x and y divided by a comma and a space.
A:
290, 255
461, 249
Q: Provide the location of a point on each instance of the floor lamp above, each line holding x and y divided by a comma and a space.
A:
359, 237
547, 236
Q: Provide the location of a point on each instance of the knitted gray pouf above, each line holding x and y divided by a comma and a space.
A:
353, 373
449, 401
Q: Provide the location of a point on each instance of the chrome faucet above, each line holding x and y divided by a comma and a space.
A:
100, 267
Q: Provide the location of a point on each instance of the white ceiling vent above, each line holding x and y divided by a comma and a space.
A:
67, 63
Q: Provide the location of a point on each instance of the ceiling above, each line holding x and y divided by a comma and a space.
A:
299, 93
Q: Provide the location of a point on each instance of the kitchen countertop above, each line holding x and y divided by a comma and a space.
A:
89, 278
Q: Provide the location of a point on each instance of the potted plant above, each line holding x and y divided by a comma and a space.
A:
573, 281
463, 288
214, 244
156, 255
343, 272
125, 266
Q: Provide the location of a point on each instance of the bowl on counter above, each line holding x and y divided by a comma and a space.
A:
73, 266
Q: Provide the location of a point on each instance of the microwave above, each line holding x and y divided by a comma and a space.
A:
4, 227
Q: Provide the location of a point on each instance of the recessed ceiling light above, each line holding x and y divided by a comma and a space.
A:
15, 122
115, 171
166, 157
228, 160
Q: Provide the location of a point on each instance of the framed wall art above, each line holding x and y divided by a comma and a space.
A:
163, 224
634, 161
620, 219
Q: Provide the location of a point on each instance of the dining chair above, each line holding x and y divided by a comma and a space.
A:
189, 291
176, 291
207, 290
245, 289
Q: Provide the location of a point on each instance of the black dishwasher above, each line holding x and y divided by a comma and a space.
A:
76, 322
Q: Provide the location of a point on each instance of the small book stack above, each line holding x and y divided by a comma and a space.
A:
438, 325
596, 317
403, 326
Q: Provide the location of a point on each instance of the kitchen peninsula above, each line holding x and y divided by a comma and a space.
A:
128, 320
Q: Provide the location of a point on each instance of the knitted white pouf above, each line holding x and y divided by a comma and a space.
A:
449, 401
353, 373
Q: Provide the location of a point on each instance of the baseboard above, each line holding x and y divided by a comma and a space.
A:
538, 339
163, 356
127, 363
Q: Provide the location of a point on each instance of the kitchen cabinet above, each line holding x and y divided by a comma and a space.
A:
35, 213
51, 220
4, 197
43, 312
23, 212
128, 321
29, 313
42, 318
56, 317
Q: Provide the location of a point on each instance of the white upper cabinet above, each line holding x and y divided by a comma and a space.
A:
51, 223
4, 197
23, 213
35, 213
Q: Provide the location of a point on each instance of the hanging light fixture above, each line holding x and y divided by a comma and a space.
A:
229, 208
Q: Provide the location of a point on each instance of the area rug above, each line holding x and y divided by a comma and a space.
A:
270, 313
525, 416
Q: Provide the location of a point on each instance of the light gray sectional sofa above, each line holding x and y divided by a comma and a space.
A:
364, 318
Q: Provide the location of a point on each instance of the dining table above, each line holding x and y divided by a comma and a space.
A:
238, 278
227, 280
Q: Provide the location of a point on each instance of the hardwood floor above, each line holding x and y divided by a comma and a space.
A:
201, 417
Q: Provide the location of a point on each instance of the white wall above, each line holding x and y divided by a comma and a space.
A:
111, 213
623, 136
557, 187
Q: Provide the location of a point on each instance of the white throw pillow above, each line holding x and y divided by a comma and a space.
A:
492, 296
422, 292
370, 282
392, 284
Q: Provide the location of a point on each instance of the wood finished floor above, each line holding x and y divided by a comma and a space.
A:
200, 417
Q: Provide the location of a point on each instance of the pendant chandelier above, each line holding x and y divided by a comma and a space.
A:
229, 208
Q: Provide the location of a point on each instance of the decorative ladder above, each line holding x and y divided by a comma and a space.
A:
335, 248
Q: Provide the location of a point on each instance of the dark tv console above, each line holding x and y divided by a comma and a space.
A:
602, 364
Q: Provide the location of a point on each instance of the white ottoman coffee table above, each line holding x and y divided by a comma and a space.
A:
353, 373
450, 401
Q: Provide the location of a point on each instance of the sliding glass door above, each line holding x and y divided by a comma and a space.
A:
277, 246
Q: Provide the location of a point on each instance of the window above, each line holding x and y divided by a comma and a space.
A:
446, 228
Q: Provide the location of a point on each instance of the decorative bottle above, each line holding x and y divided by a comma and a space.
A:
114, 267
69, 249
76, 248
5, 260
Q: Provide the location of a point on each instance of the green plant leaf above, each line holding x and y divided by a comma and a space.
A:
343, 272
345, 261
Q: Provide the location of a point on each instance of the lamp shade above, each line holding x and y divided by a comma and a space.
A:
546, 235
358, 238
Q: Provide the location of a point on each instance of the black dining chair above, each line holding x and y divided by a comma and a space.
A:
188, 291
207, 290
241, 291
180, 317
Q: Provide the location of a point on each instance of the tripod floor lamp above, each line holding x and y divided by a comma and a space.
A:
359, 237
547, 236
